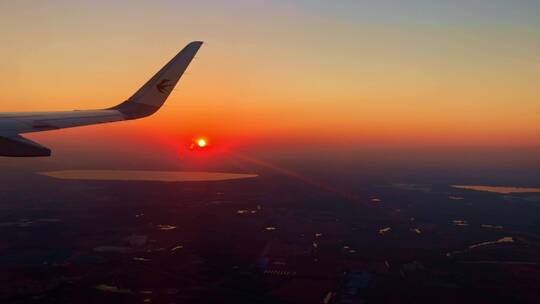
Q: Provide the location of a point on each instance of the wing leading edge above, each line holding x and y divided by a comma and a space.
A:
146, 101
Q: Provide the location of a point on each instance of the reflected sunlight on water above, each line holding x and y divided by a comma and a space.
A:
161, 176
502, 190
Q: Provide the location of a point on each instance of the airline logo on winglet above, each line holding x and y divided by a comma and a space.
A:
163, 86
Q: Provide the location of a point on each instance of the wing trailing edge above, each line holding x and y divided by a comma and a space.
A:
18, 146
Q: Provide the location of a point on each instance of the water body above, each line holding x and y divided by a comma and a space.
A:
506, 239
160, 176
501, 190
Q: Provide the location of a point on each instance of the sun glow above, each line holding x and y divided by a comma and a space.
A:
201, 142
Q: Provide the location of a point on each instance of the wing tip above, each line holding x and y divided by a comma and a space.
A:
196, 44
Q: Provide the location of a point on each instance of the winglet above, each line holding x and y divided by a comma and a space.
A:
151, 96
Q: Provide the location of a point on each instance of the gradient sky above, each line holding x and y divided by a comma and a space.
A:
404, 73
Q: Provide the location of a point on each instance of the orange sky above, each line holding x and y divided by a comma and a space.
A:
353, 73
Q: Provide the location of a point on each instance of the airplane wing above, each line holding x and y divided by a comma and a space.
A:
146, 101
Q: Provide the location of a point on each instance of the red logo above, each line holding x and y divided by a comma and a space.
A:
163, 86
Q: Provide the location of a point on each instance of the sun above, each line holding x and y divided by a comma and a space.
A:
201, 143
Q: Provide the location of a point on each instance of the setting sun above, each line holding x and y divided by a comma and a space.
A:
201, 142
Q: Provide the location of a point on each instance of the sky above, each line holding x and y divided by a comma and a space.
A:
340, 73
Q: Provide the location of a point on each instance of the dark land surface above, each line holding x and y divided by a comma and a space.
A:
277, 238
